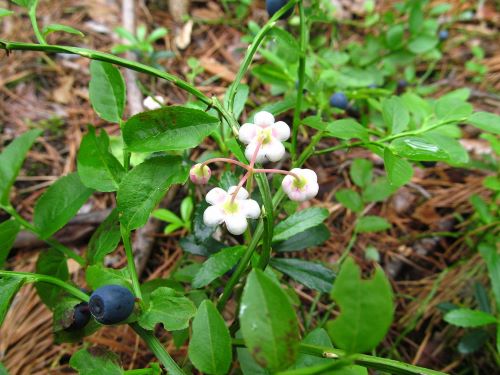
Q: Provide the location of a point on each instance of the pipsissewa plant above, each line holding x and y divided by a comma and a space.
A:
266, 336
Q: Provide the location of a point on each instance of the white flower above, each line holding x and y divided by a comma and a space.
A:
233, 214
303, 188
150, 103
200, 175
264, 130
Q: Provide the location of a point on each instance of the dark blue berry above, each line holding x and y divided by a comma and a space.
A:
443, 35
273, 6
339, 100
111, 304
79, 318
428, 164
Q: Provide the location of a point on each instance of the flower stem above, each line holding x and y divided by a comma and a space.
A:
278, 171
225, 160
249, 173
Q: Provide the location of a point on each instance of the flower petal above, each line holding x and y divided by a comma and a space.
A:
274, 151
286, 184
216, 196
263, 119
312, 190
247, 133
309, 175
213, 216
236, 224
281, 131
250, 209
242, 193
250, 151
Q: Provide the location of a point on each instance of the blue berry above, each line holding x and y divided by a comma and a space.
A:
111, 304
339, 100
273, 6
443, 35
79, 318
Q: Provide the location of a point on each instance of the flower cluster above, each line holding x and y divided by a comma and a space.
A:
264, 143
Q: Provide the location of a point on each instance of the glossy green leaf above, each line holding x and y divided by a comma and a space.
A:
64, 28
366, 309
97, 167
60, 202
107, 91
144, 186
489, 122
97, 275
299, 222
396, 116
268, 322
9, 287
457, 154
8, 233
95, 361
469, 318
168, 128
309, 238
210, 347
418, 148
11, 160
51, 262
5, 12
399, 171
105, 239
217, 265
367, 224
361, 172
347, 129
349, 199
168, 307
312, 275
378, 191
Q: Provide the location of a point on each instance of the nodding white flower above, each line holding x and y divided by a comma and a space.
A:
233, 213
303, 188
150, 103
200, 174
267, 132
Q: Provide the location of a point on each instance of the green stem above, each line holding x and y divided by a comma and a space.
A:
158, 350
301, 74
51, 241
140, 371
34, 23
35, 277
136, 286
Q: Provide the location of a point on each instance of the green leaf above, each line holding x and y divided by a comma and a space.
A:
98, 275
11, 160
309, 238
299, 222
3, 370
64, 28
472, 341
288, 42
347, 129
24, 3
210, 347
168, 307
366, 309
5, 12
168, 128
167, 216
396, 116
350, 199
105, 239
97, 167
399, 171
217, 265
451, 108
52, 263
107, 91
8, 233
187, 208
456, 152
144, 186
394, 37
268, 322
418, 148
422, 44
492, 259
96, 361
317, 337
469, 318
60, 202
312, 275
361, 172
489, 122
379, 191
368, 224
9, 287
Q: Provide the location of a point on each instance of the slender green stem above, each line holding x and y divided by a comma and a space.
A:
301, 75
35, 277
34, 23
51, 241
136, 286
140, 371
158, 350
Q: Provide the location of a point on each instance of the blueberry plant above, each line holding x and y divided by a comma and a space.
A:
248, 220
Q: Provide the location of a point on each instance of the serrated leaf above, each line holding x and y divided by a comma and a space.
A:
107, 91
105, 239
168, 128
347, 129
64, 28
469, 318
309, 238
210, 347
361, 172
396, 116
97, 167
11, 160
217, 265
299, 222
60, 202
8, 233
350, 199
366, 309
96, 361
9, 287
166, 306
51, 262
399, 171
489, 122
368, 224
268, 322
144, 186
97, 275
